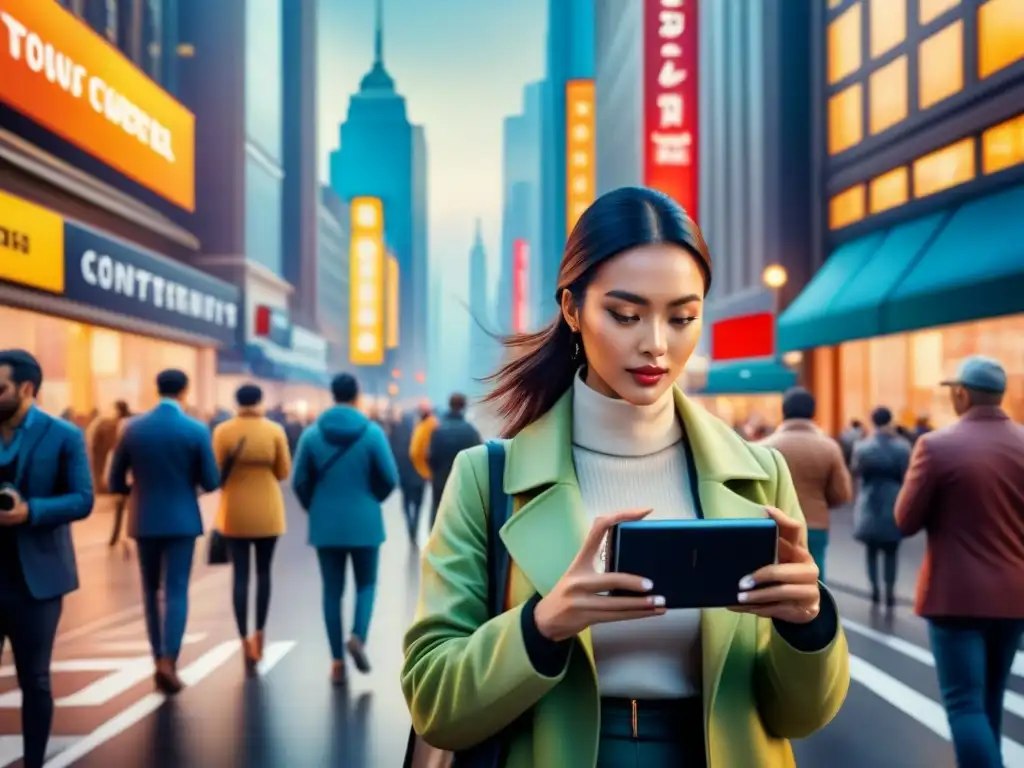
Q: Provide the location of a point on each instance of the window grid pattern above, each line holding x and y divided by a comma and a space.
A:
945, 46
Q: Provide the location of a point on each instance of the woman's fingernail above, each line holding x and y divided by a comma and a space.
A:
742, 597
747, 582
647, 585
657, 601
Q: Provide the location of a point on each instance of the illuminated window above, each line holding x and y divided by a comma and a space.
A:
940, 65
887, 91
929, 10
888, 25
847, 207
1000, 35
944, 168
845, 119
1002, 146
889, 190
844, 44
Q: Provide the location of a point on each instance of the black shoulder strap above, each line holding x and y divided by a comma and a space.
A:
322, 471
499, 509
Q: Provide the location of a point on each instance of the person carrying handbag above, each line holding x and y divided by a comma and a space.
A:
252, 452
344, 470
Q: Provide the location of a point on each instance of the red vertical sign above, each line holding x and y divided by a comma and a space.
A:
520, 275
670, 100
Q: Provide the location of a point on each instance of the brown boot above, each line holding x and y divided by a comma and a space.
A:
249, 657
257, 644
338, 677
166, 677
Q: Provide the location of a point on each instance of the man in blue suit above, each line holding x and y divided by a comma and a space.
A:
170, 457
45, 484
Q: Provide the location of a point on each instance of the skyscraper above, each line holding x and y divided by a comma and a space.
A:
619, 90
482, 347
570, 56
382, 155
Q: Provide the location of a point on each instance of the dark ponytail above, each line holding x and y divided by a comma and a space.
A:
542, 364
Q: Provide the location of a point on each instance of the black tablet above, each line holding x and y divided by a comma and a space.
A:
693, 563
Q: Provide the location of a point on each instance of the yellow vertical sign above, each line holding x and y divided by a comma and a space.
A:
391, 299
580, 149
366, 282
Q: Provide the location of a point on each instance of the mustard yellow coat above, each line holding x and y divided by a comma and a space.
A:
419, 445
466, 677
251, 504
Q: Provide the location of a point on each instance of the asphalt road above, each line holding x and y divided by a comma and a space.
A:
291, 717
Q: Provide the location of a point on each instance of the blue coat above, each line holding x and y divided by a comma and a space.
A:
344, 503
54, 478
170, 457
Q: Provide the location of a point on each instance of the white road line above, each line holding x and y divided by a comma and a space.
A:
273, 653
11, 747
205, 665
1012, 702
106, 664
142, 646
918, 706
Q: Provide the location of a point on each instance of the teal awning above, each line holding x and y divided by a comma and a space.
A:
857, 308
974, 269
806, 323
748, 377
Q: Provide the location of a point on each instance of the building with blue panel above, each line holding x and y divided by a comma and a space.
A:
918, 171
332, 280
570, 55
381, 154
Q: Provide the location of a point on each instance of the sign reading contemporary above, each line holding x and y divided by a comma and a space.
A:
580, 145
366, 278
60, 73
107, 273
670, 100
391, 283
520, 286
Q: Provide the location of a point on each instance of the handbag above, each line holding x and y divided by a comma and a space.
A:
487, 754
217, 548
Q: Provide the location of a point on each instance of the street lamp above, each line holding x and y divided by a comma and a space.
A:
774, 276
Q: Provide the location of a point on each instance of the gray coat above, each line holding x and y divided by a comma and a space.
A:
879, 464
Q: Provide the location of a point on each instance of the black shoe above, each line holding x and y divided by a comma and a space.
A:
876, 598
890, 600
358, 652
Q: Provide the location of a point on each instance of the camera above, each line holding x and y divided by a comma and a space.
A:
8, 497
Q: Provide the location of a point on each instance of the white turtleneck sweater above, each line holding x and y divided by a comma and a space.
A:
627, 457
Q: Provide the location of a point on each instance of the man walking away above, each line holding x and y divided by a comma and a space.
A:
45, 484
879, 464
965, 489
409, 480
453, 434
169, 456
816, 463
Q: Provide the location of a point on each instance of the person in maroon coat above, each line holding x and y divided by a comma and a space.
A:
965, 489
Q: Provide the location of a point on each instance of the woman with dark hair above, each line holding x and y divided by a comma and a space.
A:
598, 426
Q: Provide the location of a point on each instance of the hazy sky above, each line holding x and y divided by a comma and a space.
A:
462, 65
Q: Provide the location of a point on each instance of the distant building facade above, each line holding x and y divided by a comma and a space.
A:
332, 281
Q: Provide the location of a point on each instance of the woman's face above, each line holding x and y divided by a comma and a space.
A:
640, 321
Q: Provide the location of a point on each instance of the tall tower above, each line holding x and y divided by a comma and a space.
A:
380, 155
482, 347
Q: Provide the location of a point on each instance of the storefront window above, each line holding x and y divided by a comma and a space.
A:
929, 10
903, 371
944, 168
887, 91
847, 207
888, 25
890, 190
941, 65
87, 369
1000, 35
845, 119
844, 35
1002, 146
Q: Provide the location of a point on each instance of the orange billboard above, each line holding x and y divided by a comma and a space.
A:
366, 282
61, 74
391, 283
580, 149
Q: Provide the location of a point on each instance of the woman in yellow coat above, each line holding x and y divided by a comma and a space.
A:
251, 515
569, 676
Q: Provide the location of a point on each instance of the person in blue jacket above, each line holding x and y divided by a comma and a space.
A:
343, 470
46, 485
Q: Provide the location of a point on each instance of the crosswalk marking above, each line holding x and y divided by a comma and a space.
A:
918, 706
1013, 702
11, 749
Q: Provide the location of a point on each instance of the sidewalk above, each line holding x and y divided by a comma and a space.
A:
846, 565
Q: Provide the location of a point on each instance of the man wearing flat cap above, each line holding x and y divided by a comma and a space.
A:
965, 489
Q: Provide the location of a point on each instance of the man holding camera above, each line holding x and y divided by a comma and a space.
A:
45, 484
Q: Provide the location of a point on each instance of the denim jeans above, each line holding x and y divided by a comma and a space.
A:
333, 562
817, 543
973, 658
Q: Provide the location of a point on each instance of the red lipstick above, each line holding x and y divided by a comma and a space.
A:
647, 375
